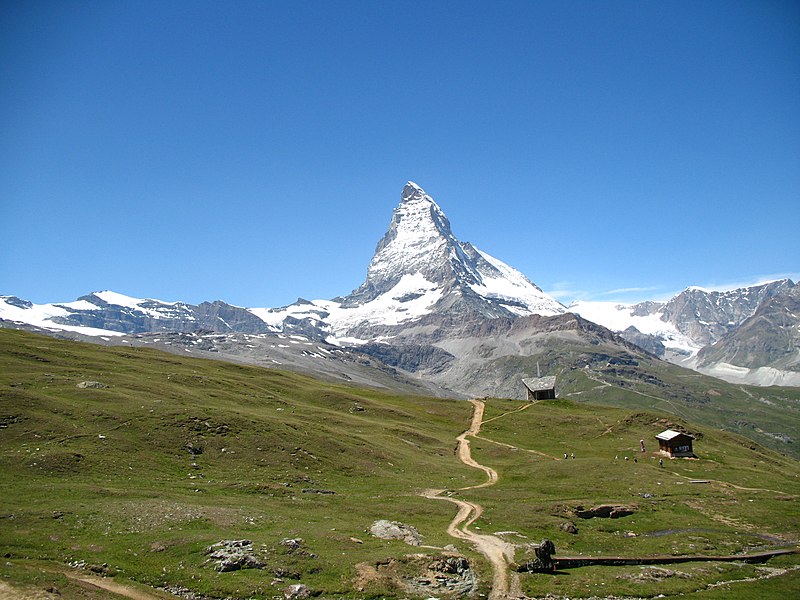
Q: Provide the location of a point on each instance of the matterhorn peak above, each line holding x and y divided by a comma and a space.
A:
420, 247
413, 192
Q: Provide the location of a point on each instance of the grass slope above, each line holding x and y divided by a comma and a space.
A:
176, 454
609, 374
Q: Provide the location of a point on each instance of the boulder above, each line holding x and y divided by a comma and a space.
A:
232, 555
394, 530
297, 591
569, 527
91, 385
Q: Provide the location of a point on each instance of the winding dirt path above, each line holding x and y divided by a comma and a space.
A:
505, 583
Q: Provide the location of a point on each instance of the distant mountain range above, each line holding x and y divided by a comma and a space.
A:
749, 335
440, 310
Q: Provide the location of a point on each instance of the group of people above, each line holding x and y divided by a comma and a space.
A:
636, 460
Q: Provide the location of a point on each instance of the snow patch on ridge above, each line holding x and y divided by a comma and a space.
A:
512, 285
41, 315
618, 317
762, 376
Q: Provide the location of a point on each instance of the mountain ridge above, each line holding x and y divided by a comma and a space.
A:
423, 288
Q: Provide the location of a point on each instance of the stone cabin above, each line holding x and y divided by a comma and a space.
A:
540, 388
675, 443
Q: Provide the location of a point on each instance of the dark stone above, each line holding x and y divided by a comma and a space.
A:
543, 563
605, 511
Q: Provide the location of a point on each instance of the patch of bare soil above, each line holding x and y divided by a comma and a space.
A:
8, 592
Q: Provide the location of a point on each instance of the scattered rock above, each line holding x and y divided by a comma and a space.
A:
193, 449
649, 574
394, 530
605, 511
284, 573
569, 527
297, 591
232, 555
315, 491
292, 543
91, 384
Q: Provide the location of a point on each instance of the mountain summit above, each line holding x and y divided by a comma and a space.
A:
420, 251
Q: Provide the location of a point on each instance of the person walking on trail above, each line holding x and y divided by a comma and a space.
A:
641, 443
565, 456
661, 462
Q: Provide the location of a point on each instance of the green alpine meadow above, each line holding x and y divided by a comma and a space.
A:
130, 472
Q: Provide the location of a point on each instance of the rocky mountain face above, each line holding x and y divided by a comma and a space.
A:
706, 316
743, 335
114, 313
768, 338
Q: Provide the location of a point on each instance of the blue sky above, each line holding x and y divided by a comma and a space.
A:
253, 151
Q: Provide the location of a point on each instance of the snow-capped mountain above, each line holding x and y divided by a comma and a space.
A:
420, 249
419, 269
431, 303
111, 314
767, 343
697, 319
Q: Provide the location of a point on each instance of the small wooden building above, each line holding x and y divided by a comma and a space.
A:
540, 388
675, 443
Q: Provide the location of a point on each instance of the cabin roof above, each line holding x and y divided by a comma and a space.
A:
670, 434
537, 384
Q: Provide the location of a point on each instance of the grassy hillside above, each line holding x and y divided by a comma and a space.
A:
136, 479
608, 374
177, 454
747, 501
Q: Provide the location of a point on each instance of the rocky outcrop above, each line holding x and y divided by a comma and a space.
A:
769, 338
410, 357
605, 511
97, 385
650, 343
419, 575
233, 555
221, 317
451, 575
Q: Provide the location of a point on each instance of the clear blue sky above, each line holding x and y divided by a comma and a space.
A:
253, 151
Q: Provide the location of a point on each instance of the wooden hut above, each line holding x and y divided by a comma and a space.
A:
675, 443
540, 388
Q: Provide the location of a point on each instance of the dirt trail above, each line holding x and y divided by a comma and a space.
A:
505, 584
9, 592
119, 589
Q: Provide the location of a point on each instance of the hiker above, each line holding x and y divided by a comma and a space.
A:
661, 462
641, 443
565, 456
573, 455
